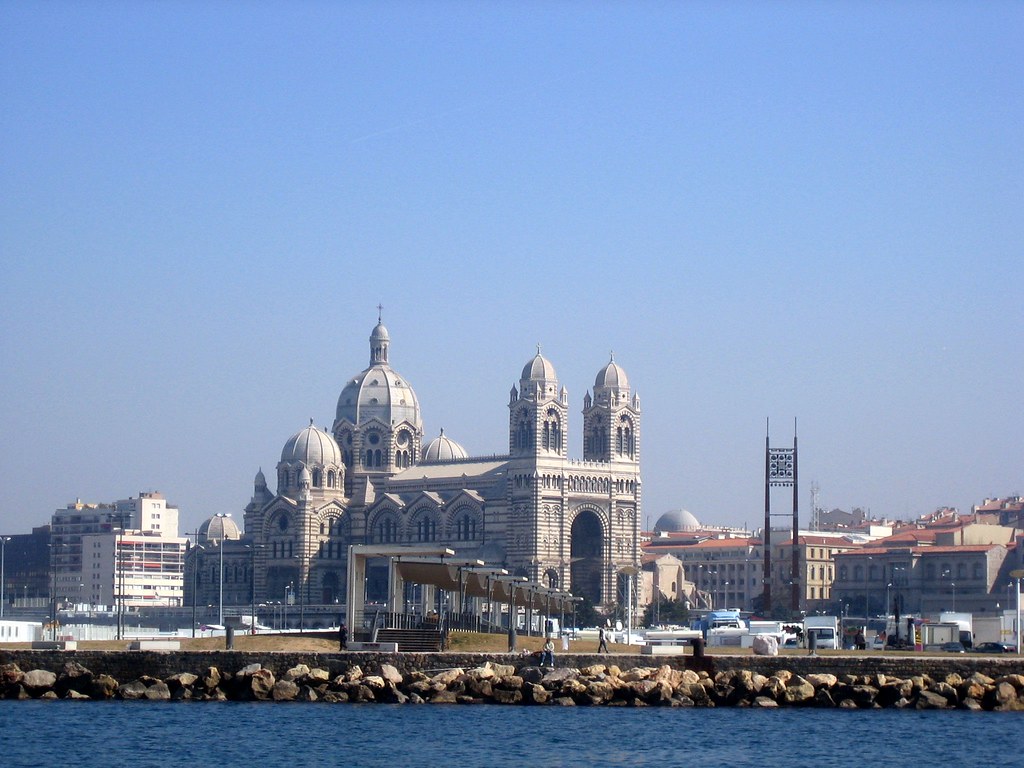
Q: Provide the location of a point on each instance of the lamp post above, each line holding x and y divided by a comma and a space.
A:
947, 573
1018, 613
53, 588
53, 592
119, 582
220, 547
252, 583
630, 571
195, 584
289, 592
301, 586
867, 567
3, 575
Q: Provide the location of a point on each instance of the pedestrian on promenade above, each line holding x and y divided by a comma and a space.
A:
343, 636
602, 641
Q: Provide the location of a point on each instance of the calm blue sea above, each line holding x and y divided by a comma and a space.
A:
140, 735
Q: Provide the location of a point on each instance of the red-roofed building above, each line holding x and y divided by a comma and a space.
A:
944, 569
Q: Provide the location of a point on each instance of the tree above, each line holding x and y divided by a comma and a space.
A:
667, 612
587, 615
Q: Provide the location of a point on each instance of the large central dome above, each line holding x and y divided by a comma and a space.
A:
379, 392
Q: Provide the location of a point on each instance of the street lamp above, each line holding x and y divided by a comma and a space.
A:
195, 584
302, 593
252, 583
867, 567
3, 551
53, 590
948, 573
220, 546
630, 571
289, 599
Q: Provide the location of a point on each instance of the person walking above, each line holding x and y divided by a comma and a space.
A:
602, 641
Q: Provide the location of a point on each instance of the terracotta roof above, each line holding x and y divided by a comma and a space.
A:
919, 550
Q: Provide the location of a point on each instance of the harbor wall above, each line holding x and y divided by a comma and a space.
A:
128, 665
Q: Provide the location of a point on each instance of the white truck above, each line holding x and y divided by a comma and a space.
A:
963, 620
825, 629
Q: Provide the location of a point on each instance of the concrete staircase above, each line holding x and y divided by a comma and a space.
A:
412, 640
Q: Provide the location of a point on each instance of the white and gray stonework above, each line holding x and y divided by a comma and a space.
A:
371, 478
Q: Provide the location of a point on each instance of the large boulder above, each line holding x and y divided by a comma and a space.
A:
296, 673
931, 700
103, 687
261, 684
391, 674
158, 691
38, 681
798, 691
74, 677
136, 689
285, 690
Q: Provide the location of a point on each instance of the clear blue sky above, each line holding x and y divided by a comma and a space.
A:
781, 210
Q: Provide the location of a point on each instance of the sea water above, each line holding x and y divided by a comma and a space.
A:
269, 735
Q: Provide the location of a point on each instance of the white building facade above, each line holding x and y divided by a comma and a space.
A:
130, 549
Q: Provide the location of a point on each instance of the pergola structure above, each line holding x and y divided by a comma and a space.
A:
441, 568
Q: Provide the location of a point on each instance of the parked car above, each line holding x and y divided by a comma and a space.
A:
994, 648
953, 647
878, 643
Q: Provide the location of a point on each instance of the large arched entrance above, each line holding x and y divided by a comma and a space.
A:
587, 544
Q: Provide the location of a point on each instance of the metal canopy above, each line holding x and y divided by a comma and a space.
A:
475, 579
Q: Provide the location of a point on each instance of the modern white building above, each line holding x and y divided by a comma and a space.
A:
131, 548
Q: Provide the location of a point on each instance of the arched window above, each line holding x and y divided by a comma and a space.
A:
386, 530
465, 527
318, 478
426, 528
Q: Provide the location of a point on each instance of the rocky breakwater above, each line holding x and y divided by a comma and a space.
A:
492, 683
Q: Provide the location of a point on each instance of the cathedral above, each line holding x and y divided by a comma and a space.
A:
373, 478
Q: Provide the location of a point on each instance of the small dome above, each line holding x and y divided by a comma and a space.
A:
677, 520
443, 448
311, 447
217, 529
380, 333
539, 369
611, 377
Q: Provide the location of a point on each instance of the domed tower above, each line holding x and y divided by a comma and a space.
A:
443, 448
217, 529
611, 419
538, 412
378, 424
311, 462
675, 521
